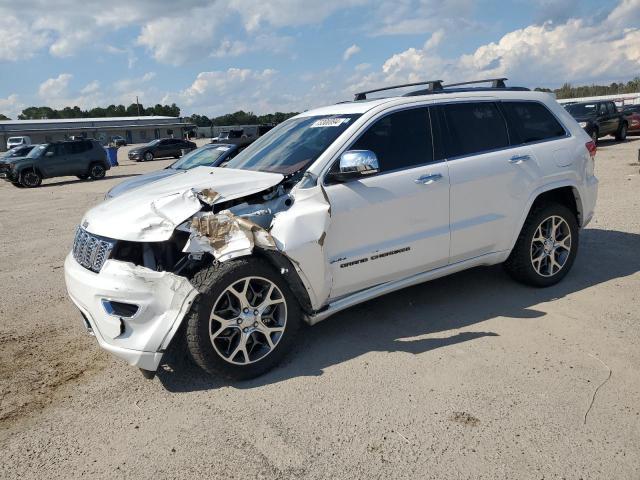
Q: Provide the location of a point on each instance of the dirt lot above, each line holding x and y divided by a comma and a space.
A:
471, 376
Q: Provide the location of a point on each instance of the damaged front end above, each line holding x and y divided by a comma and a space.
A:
163, 241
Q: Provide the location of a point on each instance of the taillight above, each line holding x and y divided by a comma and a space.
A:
592, 147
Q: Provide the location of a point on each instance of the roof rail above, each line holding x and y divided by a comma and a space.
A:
434, 85
495, 83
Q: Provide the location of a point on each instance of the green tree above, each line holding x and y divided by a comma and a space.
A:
4, 117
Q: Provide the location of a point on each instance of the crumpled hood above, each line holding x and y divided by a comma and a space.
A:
151, 212
143, 179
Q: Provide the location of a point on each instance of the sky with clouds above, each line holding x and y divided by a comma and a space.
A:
214, 57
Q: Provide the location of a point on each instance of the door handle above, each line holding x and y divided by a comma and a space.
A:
519, 158
427, 179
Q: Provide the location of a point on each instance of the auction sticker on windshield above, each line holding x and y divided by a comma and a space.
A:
329, 122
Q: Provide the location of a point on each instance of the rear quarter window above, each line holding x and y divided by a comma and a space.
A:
531, 122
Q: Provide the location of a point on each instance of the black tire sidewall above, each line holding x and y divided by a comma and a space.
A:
148, 156
519, 263
36, 184
197, 329
100, 175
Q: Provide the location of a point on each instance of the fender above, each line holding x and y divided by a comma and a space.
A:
541, 190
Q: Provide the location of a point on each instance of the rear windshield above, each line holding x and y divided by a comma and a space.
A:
579, 109
293, 145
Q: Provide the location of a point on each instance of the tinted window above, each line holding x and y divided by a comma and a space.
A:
399, 140
602, 109
612, 108
474, 128
531, 122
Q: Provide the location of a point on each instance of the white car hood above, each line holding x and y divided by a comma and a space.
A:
151, 212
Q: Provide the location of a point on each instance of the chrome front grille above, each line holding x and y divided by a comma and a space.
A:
91, 251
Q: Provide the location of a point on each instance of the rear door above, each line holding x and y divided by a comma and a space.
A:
395, 223
490, 179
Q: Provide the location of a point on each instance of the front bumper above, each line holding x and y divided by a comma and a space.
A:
162, 297
135, 156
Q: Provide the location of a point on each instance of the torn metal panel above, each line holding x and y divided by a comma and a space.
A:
226, 236
299, 233
151, 212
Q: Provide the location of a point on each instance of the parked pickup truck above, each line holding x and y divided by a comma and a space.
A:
600, 119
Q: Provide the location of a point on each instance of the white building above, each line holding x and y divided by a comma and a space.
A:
132, 129
620, 100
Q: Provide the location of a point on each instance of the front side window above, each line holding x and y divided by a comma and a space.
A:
293, 145
531, 122
473, 128
399, 140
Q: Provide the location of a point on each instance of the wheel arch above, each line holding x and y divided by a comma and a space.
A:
565, 193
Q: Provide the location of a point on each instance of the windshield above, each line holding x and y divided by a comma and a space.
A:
200, 157
580, 109
293, 145
15, 139
37, 151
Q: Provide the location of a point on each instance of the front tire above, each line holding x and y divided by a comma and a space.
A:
244, 321
546, 247
148, 156
30, 179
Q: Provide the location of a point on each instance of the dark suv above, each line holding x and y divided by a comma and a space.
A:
599, 119
164, 147
82, 158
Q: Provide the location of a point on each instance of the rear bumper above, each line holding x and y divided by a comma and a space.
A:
162, 297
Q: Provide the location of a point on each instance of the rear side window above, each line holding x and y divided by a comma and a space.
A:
531, 122
473, 128
399, 140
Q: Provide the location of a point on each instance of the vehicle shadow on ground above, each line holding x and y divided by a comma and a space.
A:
390, 323
77, 180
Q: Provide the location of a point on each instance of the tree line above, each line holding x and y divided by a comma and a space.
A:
133, 110
569, 91
241, 118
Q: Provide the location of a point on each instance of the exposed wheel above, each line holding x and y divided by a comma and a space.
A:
621, 136
30, 179
244, 321
84, 176
148, 156
97, 171
546, 247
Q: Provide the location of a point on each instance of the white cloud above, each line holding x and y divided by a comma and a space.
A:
53, 89
350, 52
11, 106
17, 40
434, 40
577, 50
91, 87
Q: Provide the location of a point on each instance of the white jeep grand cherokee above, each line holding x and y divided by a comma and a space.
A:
331, 208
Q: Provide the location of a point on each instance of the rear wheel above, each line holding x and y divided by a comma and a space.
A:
244, 321
30, 179
546, 247
621, 136
97, 171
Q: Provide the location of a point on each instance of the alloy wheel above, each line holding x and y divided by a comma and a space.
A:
248, 320
551, 246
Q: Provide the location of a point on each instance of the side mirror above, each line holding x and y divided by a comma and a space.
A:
355, 164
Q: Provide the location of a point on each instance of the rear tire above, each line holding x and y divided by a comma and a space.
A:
621, 136
546, 247
30, 179
241, 302
97, 171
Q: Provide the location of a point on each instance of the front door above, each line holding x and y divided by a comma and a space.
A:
395, 223
55, 162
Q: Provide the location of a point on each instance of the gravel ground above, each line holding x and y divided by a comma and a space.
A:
470, 376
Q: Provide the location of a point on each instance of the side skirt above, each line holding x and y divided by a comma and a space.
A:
388, 287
